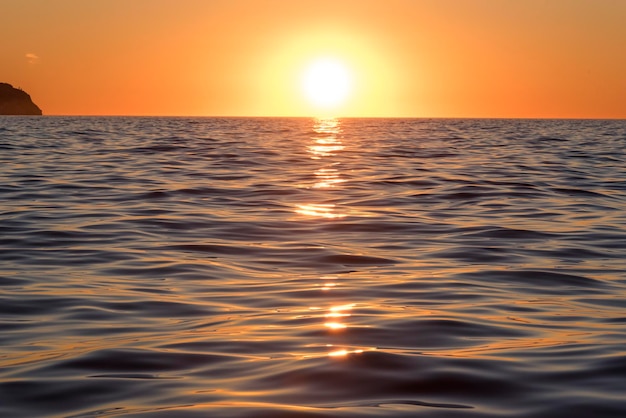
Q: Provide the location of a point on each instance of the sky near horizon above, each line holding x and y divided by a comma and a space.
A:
402, 58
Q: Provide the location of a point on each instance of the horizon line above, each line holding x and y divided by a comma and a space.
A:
329, 117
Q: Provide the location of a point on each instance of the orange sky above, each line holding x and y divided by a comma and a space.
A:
409, 58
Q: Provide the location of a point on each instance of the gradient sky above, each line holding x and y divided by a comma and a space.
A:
409, 58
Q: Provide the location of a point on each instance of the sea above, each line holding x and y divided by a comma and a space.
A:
300, 267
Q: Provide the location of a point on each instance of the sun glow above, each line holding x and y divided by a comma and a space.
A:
327, 83
328, 73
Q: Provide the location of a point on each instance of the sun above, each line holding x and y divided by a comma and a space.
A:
327, 83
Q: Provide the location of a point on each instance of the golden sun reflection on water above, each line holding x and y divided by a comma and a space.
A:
327, 178
343, 353
325, 147
334, 315
319, 210
336, 322
326, 142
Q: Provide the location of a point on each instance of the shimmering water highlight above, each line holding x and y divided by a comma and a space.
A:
196, 267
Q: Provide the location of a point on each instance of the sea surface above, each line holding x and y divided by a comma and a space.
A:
296, 267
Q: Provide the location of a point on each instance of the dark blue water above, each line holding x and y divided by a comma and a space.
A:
202, 267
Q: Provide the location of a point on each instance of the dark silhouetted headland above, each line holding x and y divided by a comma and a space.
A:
16, 102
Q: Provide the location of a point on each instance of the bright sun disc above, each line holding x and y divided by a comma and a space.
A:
326, 83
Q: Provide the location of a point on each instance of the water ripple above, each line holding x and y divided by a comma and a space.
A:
233, 267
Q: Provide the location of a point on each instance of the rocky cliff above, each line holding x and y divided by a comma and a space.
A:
16, 102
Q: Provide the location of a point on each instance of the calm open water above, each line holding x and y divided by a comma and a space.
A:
205, 267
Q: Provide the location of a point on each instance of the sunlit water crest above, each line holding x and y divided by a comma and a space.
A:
203, 267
